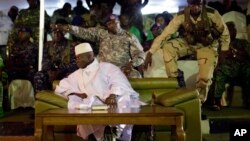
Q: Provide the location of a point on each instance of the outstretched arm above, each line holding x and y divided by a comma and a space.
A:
136, 52
90, 34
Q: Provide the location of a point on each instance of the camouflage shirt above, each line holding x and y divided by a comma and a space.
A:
30, 18
24, 54
117, 49
27, 18
175, 24
59, 56
22, 61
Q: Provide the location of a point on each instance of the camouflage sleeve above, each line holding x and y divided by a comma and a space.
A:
221, 27
168, 31
136, 51
28, 17
19, 18
91, 34
72, 66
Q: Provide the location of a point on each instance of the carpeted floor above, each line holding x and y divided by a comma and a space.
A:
221, 122
228, 113
17, 125
16, 128
18, 115
216, 137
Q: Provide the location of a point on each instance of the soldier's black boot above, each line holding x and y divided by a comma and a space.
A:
180, 79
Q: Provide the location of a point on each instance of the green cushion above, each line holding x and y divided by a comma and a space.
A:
153, 83
146, 94
50, 97
176, 97
42, 106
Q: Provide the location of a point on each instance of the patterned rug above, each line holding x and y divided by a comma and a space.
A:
18, 122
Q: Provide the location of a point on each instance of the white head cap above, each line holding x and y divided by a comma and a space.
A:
82, 48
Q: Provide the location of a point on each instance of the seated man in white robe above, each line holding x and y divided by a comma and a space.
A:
96, 79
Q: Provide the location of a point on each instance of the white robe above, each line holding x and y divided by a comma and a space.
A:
97, 79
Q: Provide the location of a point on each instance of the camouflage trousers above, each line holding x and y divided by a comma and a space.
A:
231, 71
206, 57
41, 81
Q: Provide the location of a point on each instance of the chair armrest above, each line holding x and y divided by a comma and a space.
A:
176, 97
153, 83
51, 98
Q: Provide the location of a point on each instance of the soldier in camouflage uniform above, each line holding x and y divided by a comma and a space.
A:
235, 66
202, 31
23, 59
58, 61
116, 45
27, 18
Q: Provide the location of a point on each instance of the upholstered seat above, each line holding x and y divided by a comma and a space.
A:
167, 94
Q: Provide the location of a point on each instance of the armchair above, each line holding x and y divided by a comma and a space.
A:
167, 94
